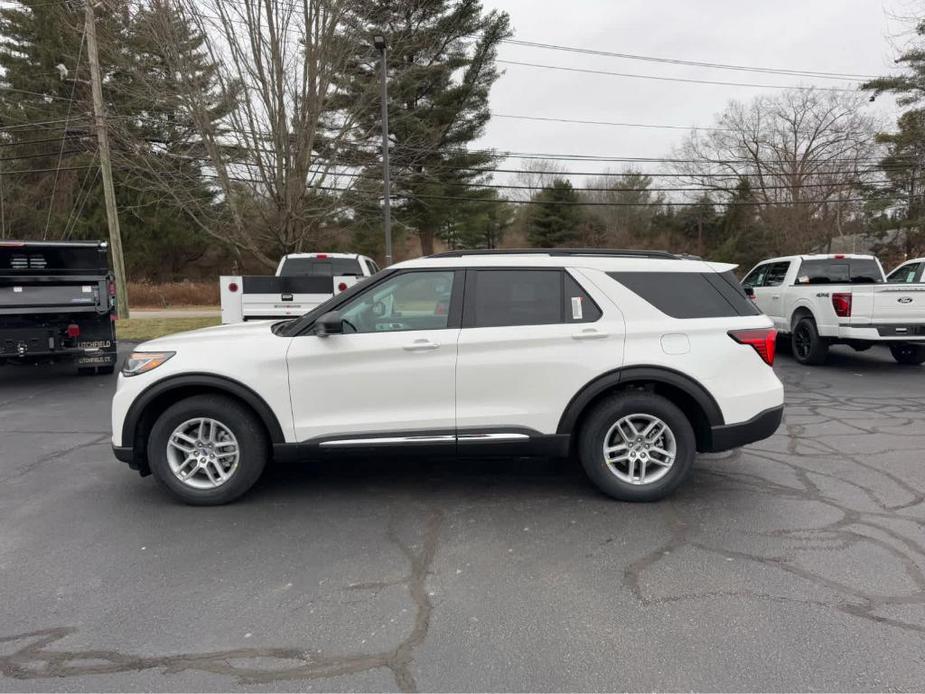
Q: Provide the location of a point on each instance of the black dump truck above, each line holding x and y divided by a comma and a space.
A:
57, 302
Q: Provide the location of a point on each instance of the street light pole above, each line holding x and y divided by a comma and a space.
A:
379, 42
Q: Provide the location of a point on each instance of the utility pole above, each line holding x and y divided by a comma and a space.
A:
379, 42
102, 136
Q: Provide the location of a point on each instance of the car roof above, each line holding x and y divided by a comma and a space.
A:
599, 259
818, 256
322, 253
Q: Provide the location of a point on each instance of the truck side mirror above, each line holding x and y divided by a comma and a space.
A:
749, 292
329, 324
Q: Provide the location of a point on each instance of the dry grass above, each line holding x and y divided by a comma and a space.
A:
141, 329
172, 294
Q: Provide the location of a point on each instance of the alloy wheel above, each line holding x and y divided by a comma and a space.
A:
640, 449
203, 453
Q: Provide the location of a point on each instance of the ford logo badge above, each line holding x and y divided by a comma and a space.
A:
905, 300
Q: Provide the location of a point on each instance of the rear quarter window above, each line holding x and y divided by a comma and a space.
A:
689, 294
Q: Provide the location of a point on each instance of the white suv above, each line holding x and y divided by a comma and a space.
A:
634, 361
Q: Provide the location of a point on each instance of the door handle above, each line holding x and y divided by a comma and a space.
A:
775, 296
423, 345
590, 334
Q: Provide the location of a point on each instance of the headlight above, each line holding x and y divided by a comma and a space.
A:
141, 362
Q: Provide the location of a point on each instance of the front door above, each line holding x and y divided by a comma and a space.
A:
392, 371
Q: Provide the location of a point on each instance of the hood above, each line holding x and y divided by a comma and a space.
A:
217, 333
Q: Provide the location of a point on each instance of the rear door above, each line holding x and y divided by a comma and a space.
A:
766, 281
531, 338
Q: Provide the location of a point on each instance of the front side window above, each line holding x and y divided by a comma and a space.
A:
906, 274
757, 277
409, 301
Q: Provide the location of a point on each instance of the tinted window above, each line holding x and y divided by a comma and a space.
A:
777, 272
409, 301
906, 274
514, 297
579, 307
689, 294
324, 266
840, 271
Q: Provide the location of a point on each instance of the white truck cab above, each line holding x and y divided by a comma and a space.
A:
910, 272
302, 282
821, 300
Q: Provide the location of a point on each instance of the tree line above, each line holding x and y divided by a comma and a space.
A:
246, 129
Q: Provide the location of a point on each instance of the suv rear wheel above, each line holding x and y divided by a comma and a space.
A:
912, 355
808, 347
207, 449
637, 446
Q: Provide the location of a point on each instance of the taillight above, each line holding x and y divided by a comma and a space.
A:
342, 287
764, 341
73, 330
232, 287
841, 302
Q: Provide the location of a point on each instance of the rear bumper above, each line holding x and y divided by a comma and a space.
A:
883, 332
759, 427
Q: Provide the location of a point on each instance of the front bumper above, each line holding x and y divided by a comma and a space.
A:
761, 426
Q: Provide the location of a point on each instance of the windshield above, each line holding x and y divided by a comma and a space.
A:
296, 326
293, 267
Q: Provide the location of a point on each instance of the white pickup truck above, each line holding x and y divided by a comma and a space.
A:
821, 300
302, 281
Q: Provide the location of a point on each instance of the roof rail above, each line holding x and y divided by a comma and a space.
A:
604, 252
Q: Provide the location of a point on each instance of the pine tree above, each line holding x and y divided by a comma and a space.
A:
441, 56
556, 216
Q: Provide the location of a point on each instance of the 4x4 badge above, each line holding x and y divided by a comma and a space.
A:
905, 300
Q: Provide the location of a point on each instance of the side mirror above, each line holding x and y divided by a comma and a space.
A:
329, 324
749, 292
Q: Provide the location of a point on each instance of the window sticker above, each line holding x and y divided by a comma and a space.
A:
17, 290
576, 308
86, 289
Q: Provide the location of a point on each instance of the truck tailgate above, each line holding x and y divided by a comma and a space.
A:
898, 304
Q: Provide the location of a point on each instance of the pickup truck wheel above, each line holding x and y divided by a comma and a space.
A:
808, 347
207, 450
637, 446
911, 355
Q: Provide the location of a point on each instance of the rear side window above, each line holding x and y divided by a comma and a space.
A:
514, 297
906, 274
840, 271
294, 267
776, 274
689, 294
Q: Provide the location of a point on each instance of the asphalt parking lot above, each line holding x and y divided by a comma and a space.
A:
794, 564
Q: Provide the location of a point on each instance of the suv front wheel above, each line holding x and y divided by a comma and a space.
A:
637, 446
207, 449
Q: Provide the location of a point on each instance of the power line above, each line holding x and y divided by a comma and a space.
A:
673, 79
693, 63
613, 123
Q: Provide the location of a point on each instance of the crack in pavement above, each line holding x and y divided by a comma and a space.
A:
37, 658
852, 527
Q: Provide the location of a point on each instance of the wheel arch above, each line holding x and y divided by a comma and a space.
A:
152, 401
695, 401
799, 313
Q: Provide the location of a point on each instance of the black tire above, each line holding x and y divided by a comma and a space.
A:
241, 422
908, 355
806, 344
605, 415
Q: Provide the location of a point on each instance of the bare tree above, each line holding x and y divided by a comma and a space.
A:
631, 204
535, 175
805, 153
262, 126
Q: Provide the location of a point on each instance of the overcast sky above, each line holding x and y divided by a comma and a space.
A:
845, 36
